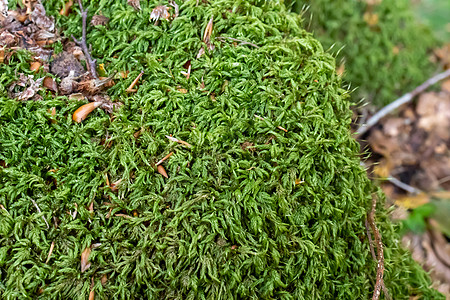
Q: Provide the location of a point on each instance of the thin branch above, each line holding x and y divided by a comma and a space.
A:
400, 101
403, 186
90, 62
39, 211
379, 284
369, 237
222, 38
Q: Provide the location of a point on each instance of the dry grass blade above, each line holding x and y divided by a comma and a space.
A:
135, 81
178, 141
164, 158
50, 252
208, 32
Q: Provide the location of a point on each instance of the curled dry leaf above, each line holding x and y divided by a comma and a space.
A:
83, 111
50, 84
31, 87
3, 9
85, 264
41, 20
29, 5
7, 39
136, 4
162, 171
99, 20
161, 11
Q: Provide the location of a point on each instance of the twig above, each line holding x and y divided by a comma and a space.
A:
400, 101
222, 38
379, 284
50, 252
164, 158
90, 62
403, 185
369, 237
135, 81
39, 210
178, 141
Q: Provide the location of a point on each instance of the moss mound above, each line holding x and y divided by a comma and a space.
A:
249, 211
384, 49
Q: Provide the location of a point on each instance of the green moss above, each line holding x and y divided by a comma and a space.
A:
230, 222
383, 60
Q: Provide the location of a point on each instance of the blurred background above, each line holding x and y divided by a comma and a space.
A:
383, 50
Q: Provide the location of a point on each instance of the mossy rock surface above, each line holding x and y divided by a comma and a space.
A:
384, 48
248, 212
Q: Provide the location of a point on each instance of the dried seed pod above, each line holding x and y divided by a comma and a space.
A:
83, 111
162, 171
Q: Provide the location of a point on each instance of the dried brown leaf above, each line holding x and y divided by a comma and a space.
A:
31, 87
161, 11
50, 84
411, 202
7, 39
41, 20
85, 264
208, 32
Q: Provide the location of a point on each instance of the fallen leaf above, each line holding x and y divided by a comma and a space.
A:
50, 84
35, 65
161, 11
77, 96
184, 91
31, 87
85, 264
412, 202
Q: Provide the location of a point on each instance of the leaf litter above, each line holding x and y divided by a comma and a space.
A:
413, 148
